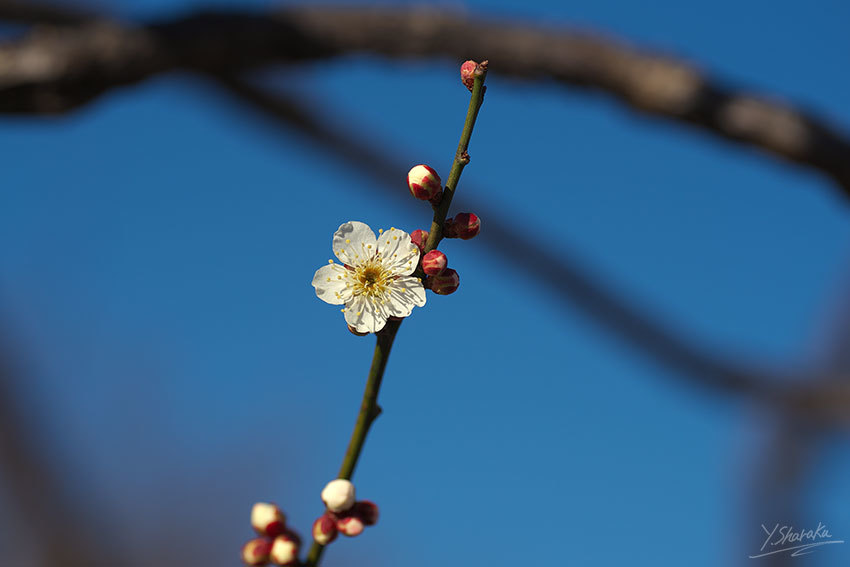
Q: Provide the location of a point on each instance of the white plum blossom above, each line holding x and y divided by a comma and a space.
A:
374, 281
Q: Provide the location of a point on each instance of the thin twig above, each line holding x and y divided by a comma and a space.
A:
369, 408
369, 411
460, 161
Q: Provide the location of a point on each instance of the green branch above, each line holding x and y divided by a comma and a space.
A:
460, 161
369, 408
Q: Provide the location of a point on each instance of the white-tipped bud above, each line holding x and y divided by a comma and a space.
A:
350, 526
424, 183
267, 519
284, 550
256, 551
324, 529
338, 495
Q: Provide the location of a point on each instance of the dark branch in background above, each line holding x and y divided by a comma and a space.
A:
827, 400
58, 69
35, 12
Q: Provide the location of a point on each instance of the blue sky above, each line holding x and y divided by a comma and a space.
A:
159, 247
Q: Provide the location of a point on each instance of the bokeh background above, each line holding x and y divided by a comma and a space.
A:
173, 365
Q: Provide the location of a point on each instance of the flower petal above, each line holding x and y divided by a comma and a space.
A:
332, 283
406, 293
398, 253
364, 315
354, 242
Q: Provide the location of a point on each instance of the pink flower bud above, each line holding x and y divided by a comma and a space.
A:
256, 551
463, 225
419, 238
434, 262
424, 182
467, 73
446, 283
367, 511
324, 529
267, 519
284, 550
350, 526
338, 495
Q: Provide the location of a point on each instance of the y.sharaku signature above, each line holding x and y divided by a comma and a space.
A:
784, 539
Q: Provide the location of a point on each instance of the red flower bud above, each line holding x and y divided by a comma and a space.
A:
256, 551
424, 182
367, 511
284, 550
419, 238
446, 283
267, 519
350, 525
463, 225
467, 73
434, 262
324, 529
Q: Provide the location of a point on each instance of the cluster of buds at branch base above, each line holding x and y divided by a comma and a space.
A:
434, 263
444, 284
420, 237
463, 226
425, 184
278, 544
350, 523
343, 515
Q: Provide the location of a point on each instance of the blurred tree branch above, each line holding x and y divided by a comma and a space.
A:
40, 497
35, 12
57, 69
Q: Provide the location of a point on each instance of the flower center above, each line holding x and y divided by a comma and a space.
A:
371, 278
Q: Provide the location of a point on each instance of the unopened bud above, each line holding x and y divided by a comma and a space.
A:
419, 237
284, 550
467, 73
350, 526
424, 182
267, 519
463, 225
367, 511
434, 263
256, 551
338, 495
324, 529
446, 283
